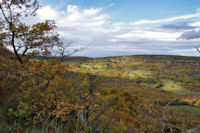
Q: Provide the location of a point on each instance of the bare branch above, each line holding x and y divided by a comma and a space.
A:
4, 15
24, 52
165, 110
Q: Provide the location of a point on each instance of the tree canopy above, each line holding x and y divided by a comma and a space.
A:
26, 39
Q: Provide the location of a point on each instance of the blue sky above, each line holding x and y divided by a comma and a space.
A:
129, 10
126, 27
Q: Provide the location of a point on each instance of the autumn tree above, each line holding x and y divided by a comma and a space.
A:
24, 39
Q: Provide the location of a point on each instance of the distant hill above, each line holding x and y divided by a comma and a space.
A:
66, 58
4, 52
169, 59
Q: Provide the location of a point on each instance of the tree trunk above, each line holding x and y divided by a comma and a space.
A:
14, 48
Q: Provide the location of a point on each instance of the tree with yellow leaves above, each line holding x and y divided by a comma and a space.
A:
36, 39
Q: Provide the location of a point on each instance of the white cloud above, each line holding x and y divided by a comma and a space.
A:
47, 13
92, 26
148, 34
161, 35
126, 35
86, 18
72, 9
92, 11
171, 19
195, 24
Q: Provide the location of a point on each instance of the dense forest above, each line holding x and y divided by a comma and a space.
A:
44, 90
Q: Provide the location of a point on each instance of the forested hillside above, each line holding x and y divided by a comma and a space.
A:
98, 96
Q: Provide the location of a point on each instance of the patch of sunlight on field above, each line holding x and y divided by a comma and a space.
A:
171, 86
86, 65
140, 73
195, 111
71, 62
94, 67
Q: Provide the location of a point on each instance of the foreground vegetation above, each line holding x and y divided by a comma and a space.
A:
116, 94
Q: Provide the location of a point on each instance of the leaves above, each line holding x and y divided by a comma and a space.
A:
36, 39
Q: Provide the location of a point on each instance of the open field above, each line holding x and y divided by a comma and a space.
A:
195, 111
174, 87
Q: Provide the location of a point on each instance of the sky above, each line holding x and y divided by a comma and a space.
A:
126, 27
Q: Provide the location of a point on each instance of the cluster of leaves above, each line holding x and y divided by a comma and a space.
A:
39, 90
26, 39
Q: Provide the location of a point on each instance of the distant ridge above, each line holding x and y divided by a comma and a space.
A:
177, 59
176, 56
6, 53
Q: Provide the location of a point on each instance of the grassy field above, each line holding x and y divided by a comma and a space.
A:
176, 76
195, 111
175, 87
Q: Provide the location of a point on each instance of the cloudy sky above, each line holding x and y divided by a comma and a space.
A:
127, 27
